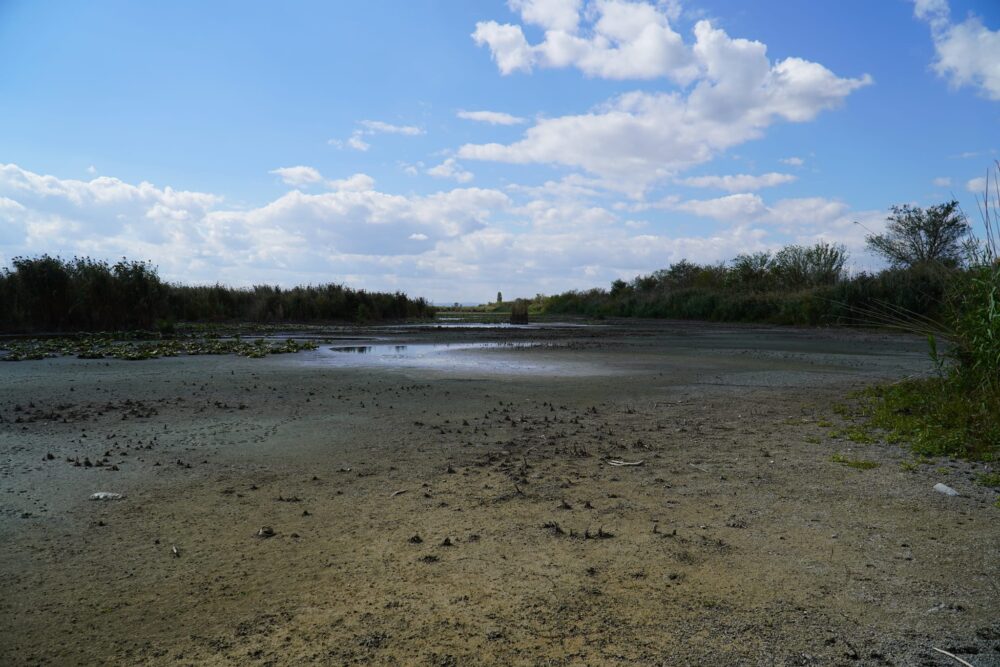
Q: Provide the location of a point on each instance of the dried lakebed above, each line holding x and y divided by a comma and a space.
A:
304, 509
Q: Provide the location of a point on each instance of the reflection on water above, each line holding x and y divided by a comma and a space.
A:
421, 349
457, 323
465, 358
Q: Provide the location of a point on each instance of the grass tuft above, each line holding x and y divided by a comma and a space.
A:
857, 464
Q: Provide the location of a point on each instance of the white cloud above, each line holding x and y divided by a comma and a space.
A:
298, 176
372, 127
304, 176
357, 143
731, 208
931, 10
379, 127
354, 183
976, 185
942, 182
451, 169
738, 182
792, 161
194, 237
639, 137
622, 40
354, 141
491, 117
968, 53
410, 169
573, 186
510, 49
549, 14
461, 244
91, 170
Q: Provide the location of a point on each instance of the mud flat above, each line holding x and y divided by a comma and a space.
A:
463, 506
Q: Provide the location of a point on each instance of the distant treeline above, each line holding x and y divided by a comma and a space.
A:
54, 294
796, 285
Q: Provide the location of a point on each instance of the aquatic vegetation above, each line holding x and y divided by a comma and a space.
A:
108, 347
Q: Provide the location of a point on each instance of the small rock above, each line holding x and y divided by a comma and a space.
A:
265, 532
945, 489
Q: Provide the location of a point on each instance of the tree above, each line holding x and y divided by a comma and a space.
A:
499, 297
915, 236
801, 266
752, 271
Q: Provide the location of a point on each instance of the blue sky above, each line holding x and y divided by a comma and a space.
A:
452, 149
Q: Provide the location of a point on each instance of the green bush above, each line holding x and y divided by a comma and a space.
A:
52, 294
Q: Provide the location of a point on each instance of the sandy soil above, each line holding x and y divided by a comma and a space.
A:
464, 512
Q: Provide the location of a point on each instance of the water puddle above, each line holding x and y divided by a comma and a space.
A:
423, 349
457, 323
490, 358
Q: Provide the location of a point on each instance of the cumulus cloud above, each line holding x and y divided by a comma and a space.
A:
305, 176
193, 236
491, 117
452, 170
549, 14
463, 243
968, 53
639, 138
942, 182
800, 220
620, 40
298, 176
729, 208
738, 182
792, 161
354, 183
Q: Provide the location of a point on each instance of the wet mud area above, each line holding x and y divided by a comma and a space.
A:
643, 493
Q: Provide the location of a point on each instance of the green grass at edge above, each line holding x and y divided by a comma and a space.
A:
935, 417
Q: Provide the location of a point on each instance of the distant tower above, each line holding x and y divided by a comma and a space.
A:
499, 297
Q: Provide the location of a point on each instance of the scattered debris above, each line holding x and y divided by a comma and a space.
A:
945, 489
175, 551
620, 463
952, 655
397, 493
106, 495
265, 532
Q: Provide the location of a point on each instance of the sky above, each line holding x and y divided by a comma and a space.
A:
452, 149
